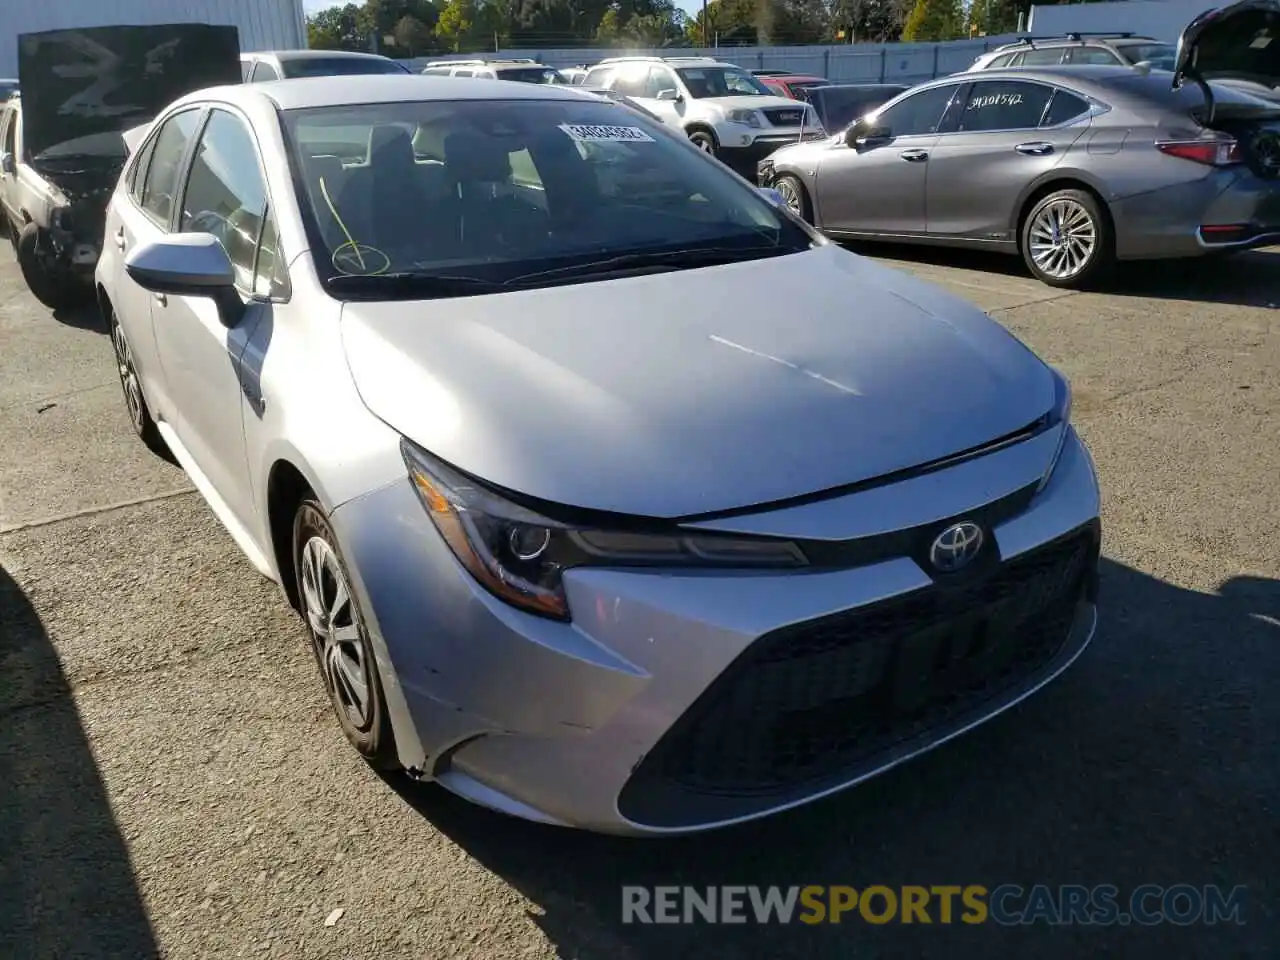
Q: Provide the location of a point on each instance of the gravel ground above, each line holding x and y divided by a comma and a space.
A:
171, 782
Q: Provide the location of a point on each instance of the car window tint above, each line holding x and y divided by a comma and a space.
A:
1004, 105
660, 78
268, 275
246, 70
264, 72
632, 82
920, 113
1091, 55
463, 72
226, 192
1041, 58
1064, 107
161, 183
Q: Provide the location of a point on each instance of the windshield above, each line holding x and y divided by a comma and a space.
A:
1159, 55
105, 145
722, 82
338, 66
532, 75
495, 190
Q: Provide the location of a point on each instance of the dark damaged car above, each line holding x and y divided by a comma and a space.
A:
61, 138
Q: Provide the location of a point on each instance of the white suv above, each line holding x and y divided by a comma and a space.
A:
721, 107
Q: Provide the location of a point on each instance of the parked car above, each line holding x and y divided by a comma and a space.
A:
723, 109
839, 104
576, 74
520, 71
791, 85
1105, 49
61, 149
1071, 167
264, 66
548, 469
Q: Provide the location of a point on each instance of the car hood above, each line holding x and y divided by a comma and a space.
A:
78, 85
696, 391
1240, 42
753, 103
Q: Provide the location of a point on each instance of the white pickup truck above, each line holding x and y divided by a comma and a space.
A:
61, 137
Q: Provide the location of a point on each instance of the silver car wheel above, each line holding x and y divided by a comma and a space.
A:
331, 617
128, 376
791, 195
1063, 238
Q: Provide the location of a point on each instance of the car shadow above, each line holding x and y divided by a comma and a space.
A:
87, 317
1152, 760
1248, 279
66, 884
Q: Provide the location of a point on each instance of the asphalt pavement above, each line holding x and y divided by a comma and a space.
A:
172, 783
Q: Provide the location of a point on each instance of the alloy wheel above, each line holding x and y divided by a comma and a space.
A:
791, 194
1063, 238
128, 377
335, 631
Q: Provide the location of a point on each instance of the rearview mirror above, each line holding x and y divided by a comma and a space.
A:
6, 163
669, 94
188, 265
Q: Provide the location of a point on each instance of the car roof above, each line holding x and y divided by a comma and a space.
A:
1052, 73
347, 91
314, 55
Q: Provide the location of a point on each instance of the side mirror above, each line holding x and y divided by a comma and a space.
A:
188, 265
773, 196
6, 164
865, 134
669, 94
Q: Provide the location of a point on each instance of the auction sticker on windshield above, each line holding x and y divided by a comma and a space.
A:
587, 132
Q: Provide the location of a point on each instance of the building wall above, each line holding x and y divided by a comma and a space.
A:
853, 63
263, 24
1161, 19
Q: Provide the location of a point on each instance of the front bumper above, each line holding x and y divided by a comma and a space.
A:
744, 151
679, 702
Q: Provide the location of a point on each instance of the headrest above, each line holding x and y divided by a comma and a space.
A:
390, 147
473, 157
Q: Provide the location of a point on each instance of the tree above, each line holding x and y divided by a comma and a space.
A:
413, 37
456, 23
338, 28
932, 20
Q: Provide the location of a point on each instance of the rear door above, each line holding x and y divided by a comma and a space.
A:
880, 187
9, 180
1009, 133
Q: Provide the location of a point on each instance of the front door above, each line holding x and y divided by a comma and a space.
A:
1009, 133
880, 187
225, 194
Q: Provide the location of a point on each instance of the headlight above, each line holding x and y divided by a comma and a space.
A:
520, 556
749, 117
1060, 414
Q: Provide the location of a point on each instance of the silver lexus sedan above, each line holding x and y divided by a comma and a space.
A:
1073, 168
610, 494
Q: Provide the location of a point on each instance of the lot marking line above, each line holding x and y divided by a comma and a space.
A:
91, 511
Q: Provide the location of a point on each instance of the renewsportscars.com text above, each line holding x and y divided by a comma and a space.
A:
1005, 905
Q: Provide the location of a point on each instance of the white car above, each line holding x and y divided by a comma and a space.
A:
723, 109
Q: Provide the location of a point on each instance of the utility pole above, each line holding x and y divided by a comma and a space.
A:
704, 24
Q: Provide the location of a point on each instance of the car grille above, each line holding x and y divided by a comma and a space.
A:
785, 116
818, 698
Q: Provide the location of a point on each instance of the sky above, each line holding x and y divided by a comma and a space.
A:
688, 6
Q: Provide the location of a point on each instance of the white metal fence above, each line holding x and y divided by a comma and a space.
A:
853, 63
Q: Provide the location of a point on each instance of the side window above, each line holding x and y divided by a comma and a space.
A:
138, 175
598, 77
1063, 108
660, 78
1001, 61
226, 193
264, 72
246, 70
10, 145
160, 183
920, 113
1041, 58
268, 275
1004, 105
463, 72
436, 71
632, 82
1092, 55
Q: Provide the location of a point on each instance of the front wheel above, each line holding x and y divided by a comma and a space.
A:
795, 195
340, 639
47, 277
1067, 240
705, 141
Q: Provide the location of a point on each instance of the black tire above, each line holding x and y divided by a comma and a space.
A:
135, 403
53, 284
798, 191
367, 726
1085, 217
705, 140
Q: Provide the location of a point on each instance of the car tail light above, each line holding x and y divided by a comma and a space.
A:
1214, 153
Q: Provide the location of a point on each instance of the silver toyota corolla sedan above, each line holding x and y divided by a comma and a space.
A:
611, 494
1071, 167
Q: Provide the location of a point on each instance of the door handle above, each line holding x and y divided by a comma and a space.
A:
914, 156
119, 239
1036, 149
161, 299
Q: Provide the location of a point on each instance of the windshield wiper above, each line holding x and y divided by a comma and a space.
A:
434, 284
692, 257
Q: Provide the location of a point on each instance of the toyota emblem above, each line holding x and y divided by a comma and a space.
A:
956, 547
